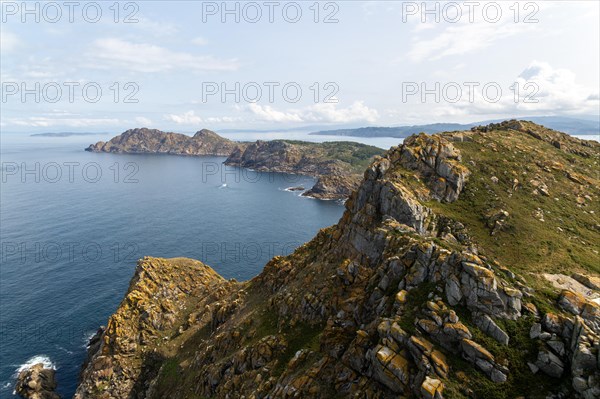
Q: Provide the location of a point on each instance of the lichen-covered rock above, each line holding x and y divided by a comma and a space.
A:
439, 163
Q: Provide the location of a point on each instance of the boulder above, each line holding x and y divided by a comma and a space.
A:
37, 382
550, 364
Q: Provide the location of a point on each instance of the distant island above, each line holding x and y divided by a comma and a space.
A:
63, 134
338, 166
572, 126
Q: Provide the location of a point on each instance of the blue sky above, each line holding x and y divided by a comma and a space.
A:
375, 58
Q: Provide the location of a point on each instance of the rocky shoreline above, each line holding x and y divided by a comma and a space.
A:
411, 294
336, 175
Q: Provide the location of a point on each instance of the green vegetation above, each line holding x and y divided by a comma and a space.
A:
520, 350
565, 241
357, 155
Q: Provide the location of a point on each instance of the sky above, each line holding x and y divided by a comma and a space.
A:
187, 65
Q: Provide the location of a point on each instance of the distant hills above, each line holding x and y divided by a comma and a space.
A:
574, 126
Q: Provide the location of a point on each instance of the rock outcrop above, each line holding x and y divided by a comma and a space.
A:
409, 295
37, 382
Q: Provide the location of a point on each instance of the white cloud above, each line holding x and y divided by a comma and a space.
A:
461, 38
36, 121
190, 118
542, 89
268, 113
199, 41
322, 112
143, 57
8, 41
187, 118
558, 89
140, 120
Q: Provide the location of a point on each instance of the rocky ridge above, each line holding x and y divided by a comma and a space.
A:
143, 141
411, 294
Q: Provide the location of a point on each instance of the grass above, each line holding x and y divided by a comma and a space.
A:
414, 299
358, 156
520, 350
528, 244
301, 336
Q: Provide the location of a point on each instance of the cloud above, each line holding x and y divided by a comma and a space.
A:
268, 113
542, 89
199, 41
38, 121
557, 89
8, 41
322, 112
140, 120
111, 53
461, 38
187, 118
190, 118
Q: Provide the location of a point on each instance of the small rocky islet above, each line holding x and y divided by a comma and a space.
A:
37, 382
465, 265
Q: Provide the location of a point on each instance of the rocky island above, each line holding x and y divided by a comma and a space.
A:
152, 141
466, 265
338, 166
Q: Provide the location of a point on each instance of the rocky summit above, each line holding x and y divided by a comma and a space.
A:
466, 265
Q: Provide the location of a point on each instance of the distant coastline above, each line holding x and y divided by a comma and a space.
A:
64, 134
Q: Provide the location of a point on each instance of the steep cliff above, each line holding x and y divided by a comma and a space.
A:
204, 142
448, 276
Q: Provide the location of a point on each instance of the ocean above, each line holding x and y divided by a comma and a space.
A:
73, 224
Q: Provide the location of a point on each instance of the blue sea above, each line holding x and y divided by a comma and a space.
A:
73, 224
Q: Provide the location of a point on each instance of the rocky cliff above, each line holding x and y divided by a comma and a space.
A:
204, 142
336, 165
465, 265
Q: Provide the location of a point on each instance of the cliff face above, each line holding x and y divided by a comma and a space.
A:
204, 142
444, 278
337, 166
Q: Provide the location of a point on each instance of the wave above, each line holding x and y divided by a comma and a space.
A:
88, 337
45, 360
299, 189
